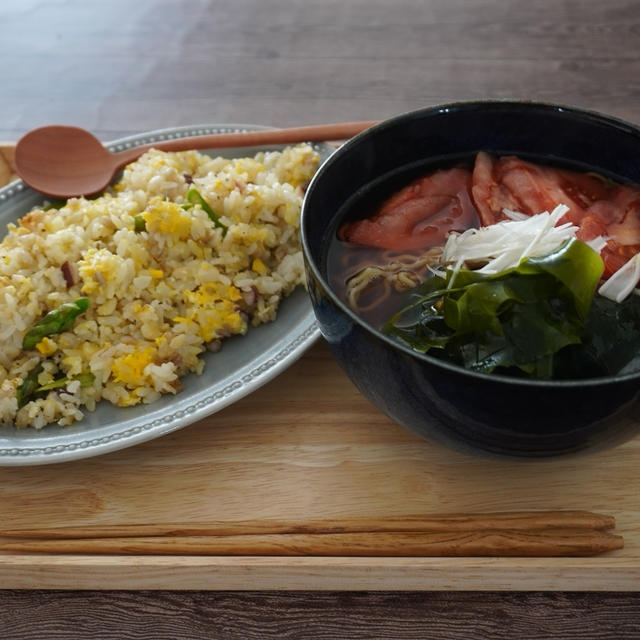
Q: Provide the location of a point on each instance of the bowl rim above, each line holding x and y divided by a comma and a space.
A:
442, 109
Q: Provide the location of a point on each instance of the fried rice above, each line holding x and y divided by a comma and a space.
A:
183, 251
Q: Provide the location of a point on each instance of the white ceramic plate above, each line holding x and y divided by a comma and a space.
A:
243, 365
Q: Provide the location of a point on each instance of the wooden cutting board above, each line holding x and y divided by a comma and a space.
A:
7, 170
304, 447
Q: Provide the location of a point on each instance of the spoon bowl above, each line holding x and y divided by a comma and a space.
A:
65, 162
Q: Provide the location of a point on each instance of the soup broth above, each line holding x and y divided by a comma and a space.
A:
374, 281
382, 251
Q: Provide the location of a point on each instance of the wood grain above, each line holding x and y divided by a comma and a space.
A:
7, 170
120, 67
496, 543
444, 523
285, 63
233, 573
273, 456
256, 615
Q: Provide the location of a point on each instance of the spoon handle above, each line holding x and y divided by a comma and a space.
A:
311, 133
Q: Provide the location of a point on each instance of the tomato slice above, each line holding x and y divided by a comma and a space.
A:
422, 214
615, 255
598, 207
418, 216
511, 183
624, 225
590, 228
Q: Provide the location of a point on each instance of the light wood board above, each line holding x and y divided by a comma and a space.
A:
7, 170
308, 446
304, 447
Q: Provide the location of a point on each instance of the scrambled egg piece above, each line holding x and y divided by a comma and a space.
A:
167, 217
129, 369
214, 310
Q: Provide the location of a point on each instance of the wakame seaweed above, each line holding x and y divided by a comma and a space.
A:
610, 340
538, 320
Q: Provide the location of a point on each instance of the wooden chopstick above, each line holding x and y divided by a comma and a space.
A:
511, 521
334, 132
530, 533
536, 543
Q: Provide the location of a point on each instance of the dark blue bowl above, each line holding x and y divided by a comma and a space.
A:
442, 402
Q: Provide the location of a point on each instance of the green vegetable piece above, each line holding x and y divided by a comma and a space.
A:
610, 342
139, 224
56, 321
85, 380
27, 390
30, 389
54, 384
194, 197
565, 263
519, 318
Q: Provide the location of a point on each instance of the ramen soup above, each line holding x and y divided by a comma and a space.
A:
497, 264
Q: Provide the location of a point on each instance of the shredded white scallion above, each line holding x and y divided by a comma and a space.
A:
623, 282
597, 244
454, 273
514, 215
505, 244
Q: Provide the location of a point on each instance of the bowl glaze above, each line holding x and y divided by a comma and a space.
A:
492, 414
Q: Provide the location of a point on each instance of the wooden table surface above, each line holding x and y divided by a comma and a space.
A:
120, 67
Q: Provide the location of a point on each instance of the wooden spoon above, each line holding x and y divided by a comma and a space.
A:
64, 162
